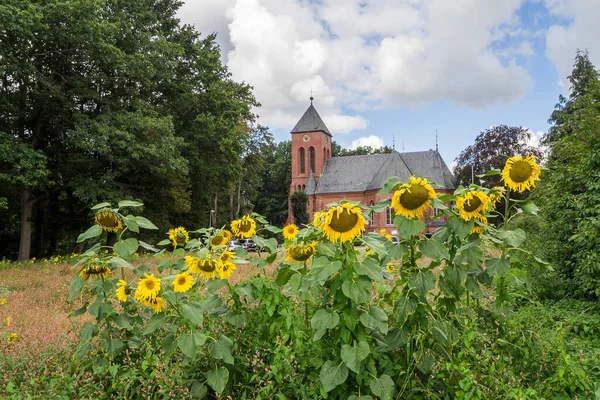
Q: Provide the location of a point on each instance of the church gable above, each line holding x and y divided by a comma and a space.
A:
430, 165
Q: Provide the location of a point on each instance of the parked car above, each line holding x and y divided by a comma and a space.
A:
234, 244
395, 239
249, 244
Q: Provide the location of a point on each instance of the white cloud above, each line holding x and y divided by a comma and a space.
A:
582, 32
359, 55
534, 139
372, 141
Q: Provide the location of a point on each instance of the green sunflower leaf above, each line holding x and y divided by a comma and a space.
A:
358, 291
382, 387
353, 355
154, 323
100, 205
408, 227
403, 307
375, 319
460, 227
333, 375
370, 268
497, 266
433, 249
145, 223
389, 185
323, 320
193, 312
423, 283
221, 349
76, 285
322, 269
130, 203
92, 232
217, 379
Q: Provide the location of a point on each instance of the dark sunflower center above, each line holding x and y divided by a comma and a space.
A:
207, 265
225, 257
245, 226
343, 221
180, 237
150, 285
520, 171
414, 199
225, 267
108, 219
181, 280
301, 253
473, 204
218, 240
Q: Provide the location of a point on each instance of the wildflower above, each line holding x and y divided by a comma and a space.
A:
148, 288
413, 198
55, 260
8, 319
219, 240
244, 228
156, 303
12, 338
301, 253
75, 254
108, 220
2, 301
344, 223
207, 268
183, 282
290, 231
225, 233
226, 270
95, 270
473, 204
179, 236
227, 256
496, 194
383, 232
480, 229
520, 173
122, 291
389, 268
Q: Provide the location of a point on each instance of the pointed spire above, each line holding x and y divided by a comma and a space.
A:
436, 141
311, 121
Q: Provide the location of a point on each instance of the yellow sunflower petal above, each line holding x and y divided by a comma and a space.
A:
472, 204
244, 227
520, 173
290, 231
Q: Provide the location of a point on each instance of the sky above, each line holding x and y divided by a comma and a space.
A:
397, 71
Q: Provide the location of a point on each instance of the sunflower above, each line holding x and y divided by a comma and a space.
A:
12, 338
226, 270
389, 268
148, 288
344, 223
226, 234
479, 229
472, 204
8, 319
2, 301
244, 228
179, 236
319, 215
301, 253
207, 268
95, 271
108, 220
496, 194
122, 291
290, 231
520, 173
412, 199
183, 282
384, 233
227, 257
219, 240
156, 303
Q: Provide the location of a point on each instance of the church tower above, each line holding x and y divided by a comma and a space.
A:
311, 147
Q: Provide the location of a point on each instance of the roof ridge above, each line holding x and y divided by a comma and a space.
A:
310, 122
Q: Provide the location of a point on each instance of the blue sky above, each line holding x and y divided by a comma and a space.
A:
403, 68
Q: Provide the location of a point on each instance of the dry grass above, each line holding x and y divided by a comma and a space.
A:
36, 302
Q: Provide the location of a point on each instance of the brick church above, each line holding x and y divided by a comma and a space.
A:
327, 179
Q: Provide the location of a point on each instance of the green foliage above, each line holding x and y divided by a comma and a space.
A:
299, 204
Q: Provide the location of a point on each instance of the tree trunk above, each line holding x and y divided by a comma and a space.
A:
216, 211
39, 230
26, 212
231, 195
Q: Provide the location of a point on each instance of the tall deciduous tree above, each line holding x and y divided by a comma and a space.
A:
491, 149
272, 201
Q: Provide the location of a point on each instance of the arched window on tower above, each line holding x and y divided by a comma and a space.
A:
302, 160
311, 155
328, 154
324, 155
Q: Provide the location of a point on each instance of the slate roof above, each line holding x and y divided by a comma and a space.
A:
311, 122
311, 184
361, 173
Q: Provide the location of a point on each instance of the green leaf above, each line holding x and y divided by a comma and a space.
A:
513, 238
215, 284
322, 269
193, 312
375, 319
217, 379
397, 251
130, 203
375, 244
100, 205
491, 172
79, 311
357, 291
283, 276
131, 224
433, 249
404, 307
123, 321
169, 344
188, 342
179, 252
221, 349
408, 227
333, 375
460, 227
423, 283
148, 246
382, 387
213, 301
370, 268
92, 232
76, 286
113, 347
455, 275
323, 320
353, 355
199, 390
389, 185
155, 322
497, 266
100, 310
126, 248
145, 223
326, 249
473, 254
529, 207
118, 262
272, 229
164, 242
